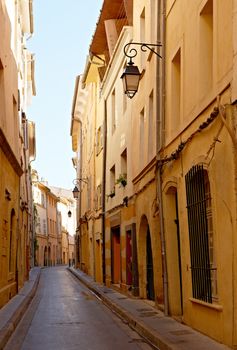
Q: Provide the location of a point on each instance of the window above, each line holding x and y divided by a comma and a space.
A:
42, 199
203, 269
176, 89
99, 140
11, 241
125, 97
142, 125
39, 224
112, 180
24, 126
206, 48
142, 37
89, 189
150, 127
113, 111
98, 197
153, 21
44, 226
15, 115
124, 162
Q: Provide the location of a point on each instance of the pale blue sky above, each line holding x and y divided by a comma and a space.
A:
63, 30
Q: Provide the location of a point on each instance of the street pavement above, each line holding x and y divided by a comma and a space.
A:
164, 332
66, 315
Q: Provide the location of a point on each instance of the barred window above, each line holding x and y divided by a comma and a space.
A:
203, 268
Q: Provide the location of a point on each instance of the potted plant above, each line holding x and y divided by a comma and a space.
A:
122, 180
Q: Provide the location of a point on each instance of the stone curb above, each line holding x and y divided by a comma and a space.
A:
16, 315
134, 323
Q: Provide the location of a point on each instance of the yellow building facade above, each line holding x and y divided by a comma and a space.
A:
40, 194
198, 163
87, 141
168, 161
17, 147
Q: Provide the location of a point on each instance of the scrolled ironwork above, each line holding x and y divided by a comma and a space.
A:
132, 52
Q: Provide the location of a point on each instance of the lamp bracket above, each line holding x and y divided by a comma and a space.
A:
77, 181
132, 52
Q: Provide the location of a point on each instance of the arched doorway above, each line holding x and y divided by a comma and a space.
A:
45, 256
49, 257
115, 255
173, 250
146, 261
149, 268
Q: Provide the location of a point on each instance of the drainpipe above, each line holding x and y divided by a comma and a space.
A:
160, 127
80, 199
103, 190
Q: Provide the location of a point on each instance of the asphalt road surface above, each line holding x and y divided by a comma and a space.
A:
65, 315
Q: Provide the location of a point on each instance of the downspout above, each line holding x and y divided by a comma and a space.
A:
232, 112
103, 190
160, 127
47, 227
17, 237
80, 199
94, 182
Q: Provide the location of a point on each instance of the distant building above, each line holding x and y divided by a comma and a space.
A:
54, 223
66, 208
40, 194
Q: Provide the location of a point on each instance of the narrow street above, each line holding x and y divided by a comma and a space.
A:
65, 315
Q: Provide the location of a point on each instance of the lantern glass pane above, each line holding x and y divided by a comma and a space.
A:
132, 82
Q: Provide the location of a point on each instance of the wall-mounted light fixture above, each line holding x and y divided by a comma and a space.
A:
131, 74
7, 195
76, 191
69, 214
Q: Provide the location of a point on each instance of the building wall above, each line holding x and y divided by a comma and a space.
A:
200, 73
52, 228
89, 146
40, 193
65, 248
198, 103
12, 251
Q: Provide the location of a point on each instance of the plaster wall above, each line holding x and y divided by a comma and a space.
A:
196, 105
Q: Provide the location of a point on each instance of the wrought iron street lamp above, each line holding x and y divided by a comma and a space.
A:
131, 74
76, 191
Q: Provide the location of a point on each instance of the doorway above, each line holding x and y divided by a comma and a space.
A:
115, 255
129, 258
149, 268
173, 246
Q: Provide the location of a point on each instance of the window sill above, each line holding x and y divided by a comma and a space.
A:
216, 307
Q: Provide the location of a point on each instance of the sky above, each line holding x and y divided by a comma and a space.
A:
63, 30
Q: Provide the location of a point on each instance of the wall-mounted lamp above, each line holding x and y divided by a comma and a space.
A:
69, 214
7, 195
131, 74
76, 191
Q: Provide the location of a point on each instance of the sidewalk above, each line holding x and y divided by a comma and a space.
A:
12, 312
164, 332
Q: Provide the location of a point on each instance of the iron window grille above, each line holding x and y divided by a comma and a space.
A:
200, 225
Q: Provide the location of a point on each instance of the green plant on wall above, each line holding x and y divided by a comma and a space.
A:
122, 180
